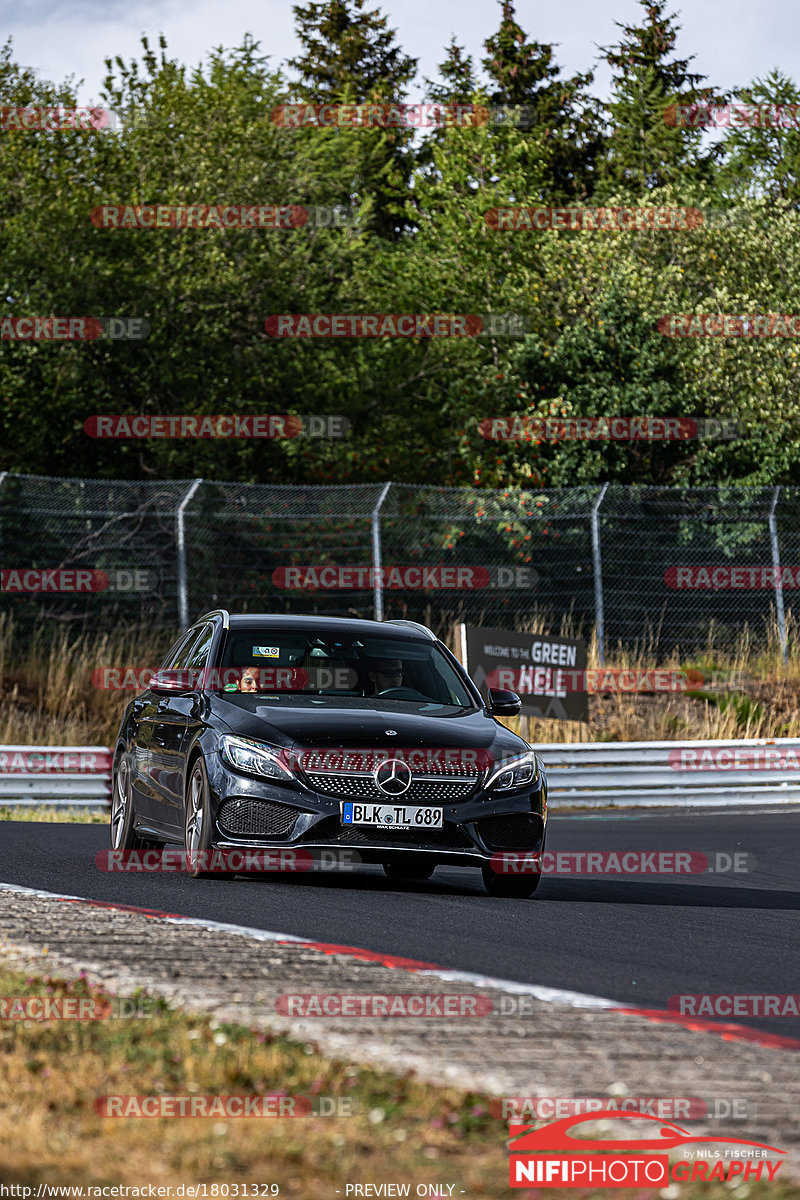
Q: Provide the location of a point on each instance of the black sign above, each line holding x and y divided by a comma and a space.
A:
548, 673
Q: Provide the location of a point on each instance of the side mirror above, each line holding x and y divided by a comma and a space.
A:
172, 683
504, 704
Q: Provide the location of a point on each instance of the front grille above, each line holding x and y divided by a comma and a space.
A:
330, 831
256, 818
350, 786
514, 831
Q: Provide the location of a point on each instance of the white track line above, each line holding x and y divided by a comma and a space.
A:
547, 995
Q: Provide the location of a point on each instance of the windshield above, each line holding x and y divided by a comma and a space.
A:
287, 661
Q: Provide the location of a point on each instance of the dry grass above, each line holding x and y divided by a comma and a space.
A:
49, 814
399, 1130
761, 700
51, 1073
47, 696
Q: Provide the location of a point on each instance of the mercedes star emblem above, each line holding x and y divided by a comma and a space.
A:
393, 777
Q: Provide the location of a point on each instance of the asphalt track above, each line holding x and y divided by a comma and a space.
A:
636, 940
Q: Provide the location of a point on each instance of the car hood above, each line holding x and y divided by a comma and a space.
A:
362, 724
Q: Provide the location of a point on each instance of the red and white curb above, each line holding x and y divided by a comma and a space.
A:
728, 1031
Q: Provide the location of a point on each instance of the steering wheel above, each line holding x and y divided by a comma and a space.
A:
402, 693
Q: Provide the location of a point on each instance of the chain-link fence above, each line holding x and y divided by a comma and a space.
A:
641, 564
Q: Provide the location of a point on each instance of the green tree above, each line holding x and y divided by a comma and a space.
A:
457, 75
645, 150
350, 56
762, 157
207, 139
346, 45
560, 111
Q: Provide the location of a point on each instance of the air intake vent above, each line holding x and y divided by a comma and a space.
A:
331, 831
516, 831
256, 818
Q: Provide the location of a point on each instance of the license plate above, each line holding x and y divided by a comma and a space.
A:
391, 816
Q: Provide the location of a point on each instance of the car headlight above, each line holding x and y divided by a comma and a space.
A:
255, 758
515, 773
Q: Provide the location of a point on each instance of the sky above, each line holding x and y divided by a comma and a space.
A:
734, 41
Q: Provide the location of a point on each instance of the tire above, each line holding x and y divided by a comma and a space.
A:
197, 821
408, 868
122, 810
512, 887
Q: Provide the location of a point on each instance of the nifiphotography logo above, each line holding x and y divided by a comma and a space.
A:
556, 1157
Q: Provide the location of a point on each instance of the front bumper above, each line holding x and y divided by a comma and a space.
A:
249, 812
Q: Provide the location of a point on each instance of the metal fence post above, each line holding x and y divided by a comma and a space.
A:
776, 568
597, 570
377, 582
180, 540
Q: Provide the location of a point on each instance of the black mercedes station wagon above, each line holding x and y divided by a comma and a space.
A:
321, 734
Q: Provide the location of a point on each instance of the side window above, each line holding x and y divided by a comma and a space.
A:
183, 643
198, 655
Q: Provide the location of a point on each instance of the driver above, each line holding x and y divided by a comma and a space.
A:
386, 673
249, 680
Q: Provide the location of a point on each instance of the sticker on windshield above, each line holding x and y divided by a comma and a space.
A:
266, 652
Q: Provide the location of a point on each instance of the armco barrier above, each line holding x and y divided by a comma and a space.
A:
712, 773
63, 776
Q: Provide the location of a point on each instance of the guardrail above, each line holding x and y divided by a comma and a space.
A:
580, 774
59, 776
697, 774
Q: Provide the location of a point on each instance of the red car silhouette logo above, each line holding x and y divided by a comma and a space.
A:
525, 1138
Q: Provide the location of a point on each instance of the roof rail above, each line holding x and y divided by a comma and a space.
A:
415, 625
217, 612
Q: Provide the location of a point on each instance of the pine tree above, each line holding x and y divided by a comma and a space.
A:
350, 56
346, 47
648, 148
458, 78
762, 156
525, 73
